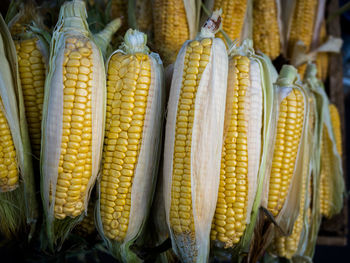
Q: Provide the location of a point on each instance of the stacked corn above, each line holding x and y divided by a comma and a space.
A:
266, 31
73, 121
132, 141
193, 141
17, 193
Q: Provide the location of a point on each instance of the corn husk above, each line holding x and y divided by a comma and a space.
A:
18, 208
72, 22
207, 130
144, 179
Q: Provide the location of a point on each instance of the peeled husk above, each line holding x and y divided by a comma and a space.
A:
145, 174
18, 208
72, 22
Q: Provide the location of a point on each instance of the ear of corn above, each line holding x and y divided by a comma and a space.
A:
176, 23
302, 24
73, 123
336, 125
132, 141
32, 54
266, 31
301, 27
194, 130
233, 14
281, 193
294, 244
244, 155
17, 194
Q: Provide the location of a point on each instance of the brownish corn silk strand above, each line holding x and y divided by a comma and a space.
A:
75, 163
128, 83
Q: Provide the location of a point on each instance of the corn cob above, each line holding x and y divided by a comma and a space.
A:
238, 169
322, 58
189, 127
130, 152
31, 53
172, 28
302, 27
302, 24
17, 193
266, 34
233, 14
335, 118
73, 120
331, 178
289, 130
32, 74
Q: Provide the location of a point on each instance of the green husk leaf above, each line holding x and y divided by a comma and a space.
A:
104, 37
135, 42
23, 198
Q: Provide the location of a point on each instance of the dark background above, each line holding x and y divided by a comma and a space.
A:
323, 253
